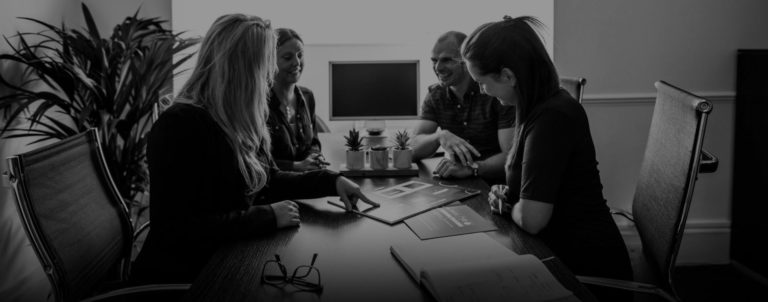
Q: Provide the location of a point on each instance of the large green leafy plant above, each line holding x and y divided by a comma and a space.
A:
114, 84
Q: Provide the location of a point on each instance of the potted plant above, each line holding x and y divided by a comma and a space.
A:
355, 153
114, 84
379, 157
402, 155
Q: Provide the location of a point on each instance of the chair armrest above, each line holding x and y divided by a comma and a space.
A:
143, 228
624, 213
708, 163
627, 285
5, 180
139, 289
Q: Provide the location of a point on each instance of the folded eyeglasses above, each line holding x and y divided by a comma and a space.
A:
304, 277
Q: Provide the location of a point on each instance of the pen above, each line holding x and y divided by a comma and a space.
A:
355, 208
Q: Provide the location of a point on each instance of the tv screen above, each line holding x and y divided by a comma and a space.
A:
374, 90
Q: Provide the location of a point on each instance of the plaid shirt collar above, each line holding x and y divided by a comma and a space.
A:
473, 89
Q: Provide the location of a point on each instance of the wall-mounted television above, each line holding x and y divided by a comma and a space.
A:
374, 90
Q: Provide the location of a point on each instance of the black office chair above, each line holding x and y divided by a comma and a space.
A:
574, 86
672, 160
76, 220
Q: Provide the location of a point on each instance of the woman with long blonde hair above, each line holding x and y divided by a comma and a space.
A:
212, 177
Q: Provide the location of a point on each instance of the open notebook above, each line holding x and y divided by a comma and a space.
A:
474, 267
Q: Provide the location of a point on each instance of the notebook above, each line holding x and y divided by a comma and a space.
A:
475, 267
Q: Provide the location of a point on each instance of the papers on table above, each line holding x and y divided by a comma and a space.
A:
448, 221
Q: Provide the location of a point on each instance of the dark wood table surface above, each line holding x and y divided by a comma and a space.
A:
353, 251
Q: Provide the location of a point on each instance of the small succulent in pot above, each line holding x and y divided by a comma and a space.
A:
402, 140
355, 153
402, 155
354, 141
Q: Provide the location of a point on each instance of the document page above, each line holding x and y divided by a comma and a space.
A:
410, 198
448, 221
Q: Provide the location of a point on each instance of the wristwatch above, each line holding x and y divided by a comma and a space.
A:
475, 167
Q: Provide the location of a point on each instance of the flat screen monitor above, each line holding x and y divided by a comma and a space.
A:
374, 90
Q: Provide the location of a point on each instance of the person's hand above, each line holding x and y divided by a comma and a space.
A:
458, 147
313, 162
349, 193
497, 199
451, 169
286, 213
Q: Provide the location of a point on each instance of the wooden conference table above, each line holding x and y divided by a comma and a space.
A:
354, 258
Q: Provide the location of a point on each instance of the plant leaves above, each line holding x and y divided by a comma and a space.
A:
113, 84
92, 28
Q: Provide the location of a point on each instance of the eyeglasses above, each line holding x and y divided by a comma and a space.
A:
304, 277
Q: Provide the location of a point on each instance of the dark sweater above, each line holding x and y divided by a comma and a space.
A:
289, 145
554, 161
198, 196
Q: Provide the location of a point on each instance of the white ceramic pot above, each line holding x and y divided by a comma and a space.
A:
355, 160
401, 159
379, 159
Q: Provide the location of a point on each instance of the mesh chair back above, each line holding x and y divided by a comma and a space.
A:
321, 125
574, 86
73, 214
667, 175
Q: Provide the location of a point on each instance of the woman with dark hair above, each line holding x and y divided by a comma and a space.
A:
213, 179
553, 185
292, 124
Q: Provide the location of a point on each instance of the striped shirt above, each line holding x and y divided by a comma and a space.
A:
476, 119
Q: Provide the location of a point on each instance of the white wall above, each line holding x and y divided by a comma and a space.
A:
622, 48
361, 30
22, 278
108, 13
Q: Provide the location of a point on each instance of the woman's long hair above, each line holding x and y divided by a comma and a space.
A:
513, 44
235, 66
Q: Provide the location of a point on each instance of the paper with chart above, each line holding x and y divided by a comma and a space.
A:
410, 198
448, 221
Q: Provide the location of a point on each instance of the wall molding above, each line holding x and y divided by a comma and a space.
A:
690, 226
649, 97
704, 241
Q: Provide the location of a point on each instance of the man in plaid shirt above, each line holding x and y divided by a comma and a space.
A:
473, 129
